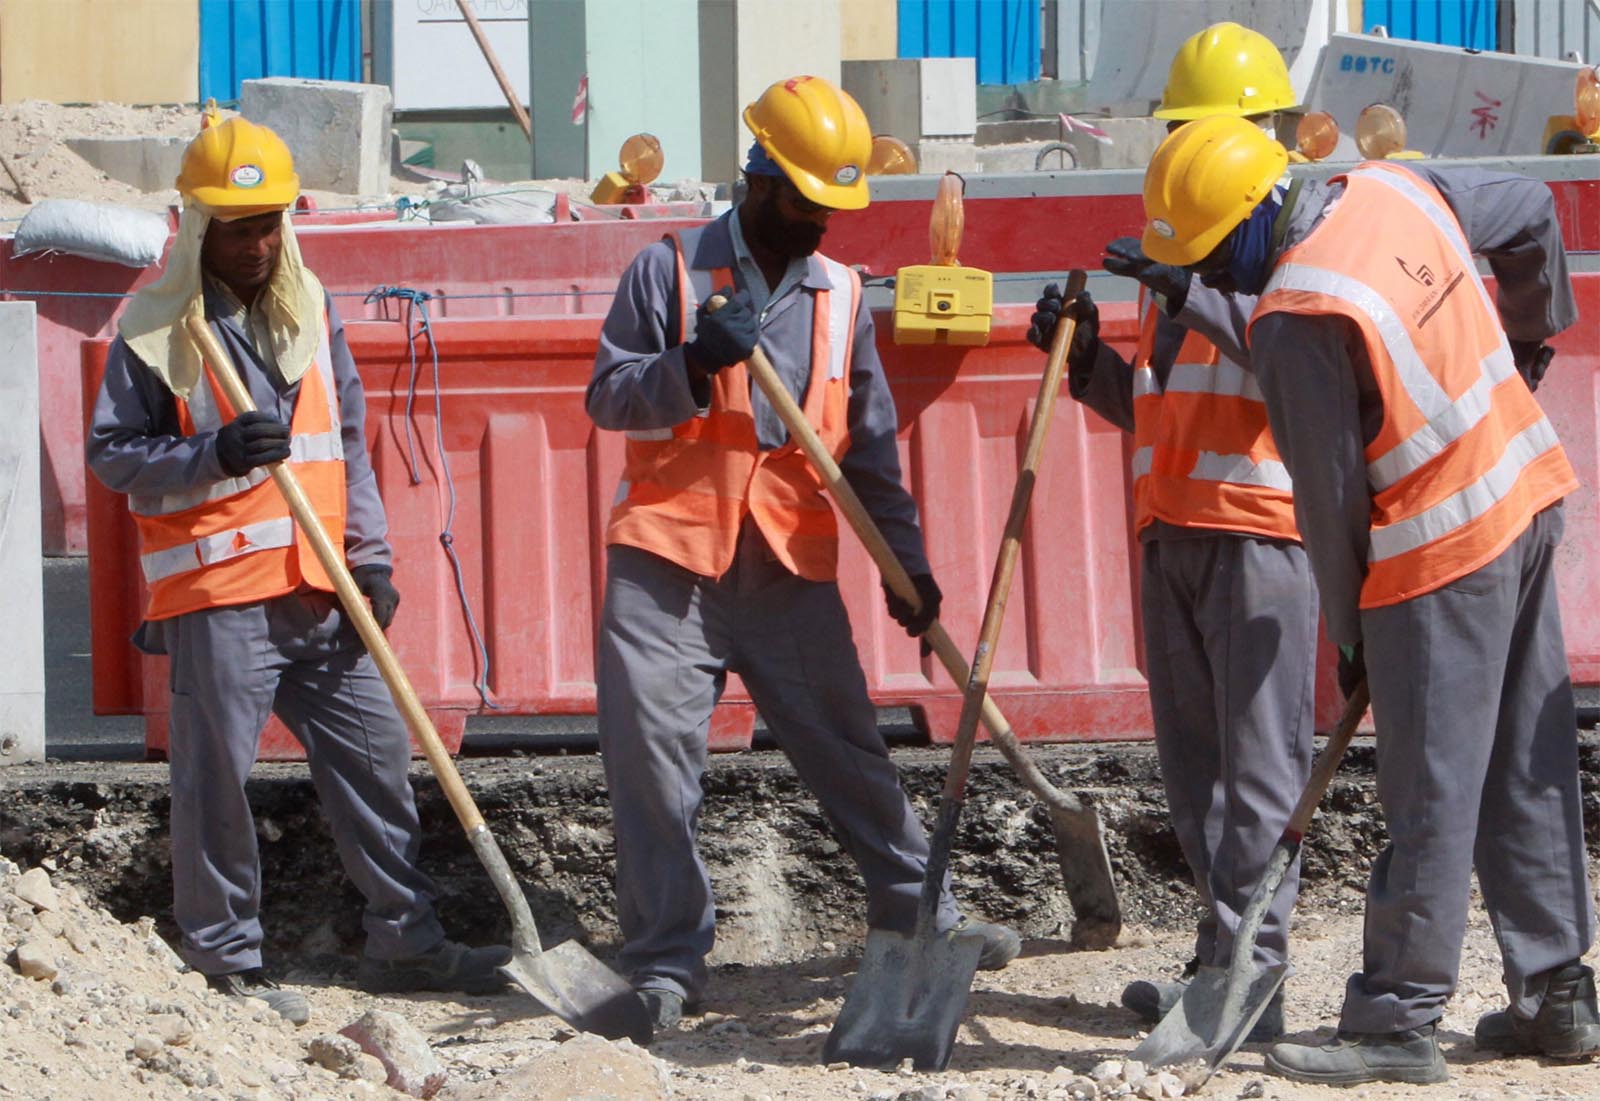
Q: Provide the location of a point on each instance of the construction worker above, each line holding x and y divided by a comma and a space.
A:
1228, 600
1428, 487
238, 599
721, 548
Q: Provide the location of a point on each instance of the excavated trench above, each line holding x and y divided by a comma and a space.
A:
783, 883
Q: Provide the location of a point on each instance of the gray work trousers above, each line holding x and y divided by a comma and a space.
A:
1230, 633
298, 658
1477, 765
668, 639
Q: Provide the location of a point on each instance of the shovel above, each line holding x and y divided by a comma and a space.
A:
1219, 1008
567, 980
1080, 837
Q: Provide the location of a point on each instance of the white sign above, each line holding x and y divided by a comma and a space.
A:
437, 62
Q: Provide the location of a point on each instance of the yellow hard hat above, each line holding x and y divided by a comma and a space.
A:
819, 136
1226, 69
1204, 180
236, 169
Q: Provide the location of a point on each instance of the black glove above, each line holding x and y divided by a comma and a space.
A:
1352, 668
251, 440
1532, 358
1125, 257
725, 337
915, 622
1047, 313
374, 583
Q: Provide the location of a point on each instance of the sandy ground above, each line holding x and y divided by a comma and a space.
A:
109, 1014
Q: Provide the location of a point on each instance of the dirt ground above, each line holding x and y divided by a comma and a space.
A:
118, 1020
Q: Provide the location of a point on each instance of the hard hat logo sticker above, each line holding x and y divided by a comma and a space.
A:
849, 174
247, 175
1163, 228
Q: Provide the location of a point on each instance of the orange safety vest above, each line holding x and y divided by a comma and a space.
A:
686, 489
235, 541
1203, 455
1464, 458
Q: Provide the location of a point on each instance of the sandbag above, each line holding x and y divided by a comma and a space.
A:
96, 231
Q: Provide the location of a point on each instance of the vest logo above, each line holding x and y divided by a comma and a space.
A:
241, 543
247, 175
1423, 274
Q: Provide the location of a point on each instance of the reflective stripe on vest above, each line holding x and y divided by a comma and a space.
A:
686, 489
234, 541
1203, 456
1464, 457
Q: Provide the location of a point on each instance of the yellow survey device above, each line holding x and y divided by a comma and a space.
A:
943, 302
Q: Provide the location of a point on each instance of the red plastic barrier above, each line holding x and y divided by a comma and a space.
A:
519, 445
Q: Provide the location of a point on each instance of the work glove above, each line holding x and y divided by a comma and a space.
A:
1047, 314
1125, 257
374, 583
725, 337
1352, 668
915, 622
1532, 358
250, 440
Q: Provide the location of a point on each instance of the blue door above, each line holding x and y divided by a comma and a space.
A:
244, 39
1469, 23
1002, 34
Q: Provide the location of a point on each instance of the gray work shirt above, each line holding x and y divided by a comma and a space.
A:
641, 381
1322, 400
136, 446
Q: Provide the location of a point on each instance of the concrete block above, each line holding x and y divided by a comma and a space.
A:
941, 155
22, 642
148, 163
338, 131
916, 97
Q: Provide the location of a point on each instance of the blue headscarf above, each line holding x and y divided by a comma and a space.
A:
757, 163
1252, 246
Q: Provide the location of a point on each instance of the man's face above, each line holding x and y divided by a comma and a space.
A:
786, 221
243, 253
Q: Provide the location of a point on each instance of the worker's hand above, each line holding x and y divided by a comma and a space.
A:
725, 336
1047, 314
1532, 358
1352, 668
1125, 257
374, 583
916, 622
250, 440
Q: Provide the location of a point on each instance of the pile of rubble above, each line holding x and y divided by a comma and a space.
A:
98, 1010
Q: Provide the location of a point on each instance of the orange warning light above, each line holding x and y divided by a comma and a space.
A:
948, 220
1586, 103
640, 159
1316, 135
1380, 132
891, 157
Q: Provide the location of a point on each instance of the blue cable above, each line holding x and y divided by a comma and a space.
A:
416, 304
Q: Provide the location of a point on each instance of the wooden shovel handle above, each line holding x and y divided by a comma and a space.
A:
355, 604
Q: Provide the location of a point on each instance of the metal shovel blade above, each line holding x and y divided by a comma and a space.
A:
1210, 1022
569, 982
907, 1001
1086, 872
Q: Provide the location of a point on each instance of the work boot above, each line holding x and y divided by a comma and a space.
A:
448, 967
253, 984
1351, 1058
1153, 1001
1001, 944
664, 1006
1567, 1025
